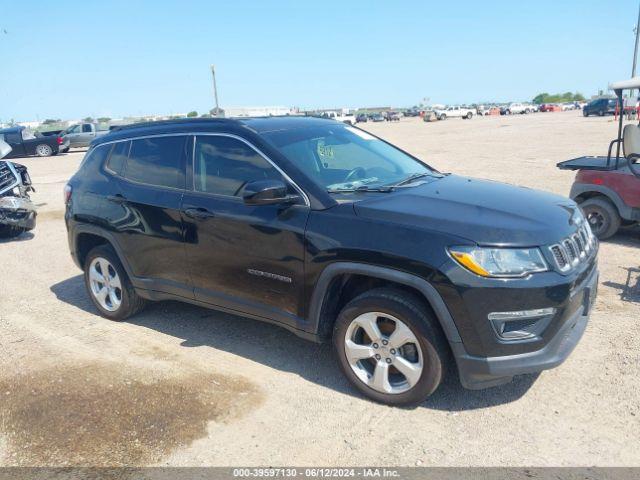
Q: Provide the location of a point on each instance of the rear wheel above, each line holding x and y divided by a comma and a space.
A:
602, 215
44, 150
109, 286
390, 347
469, 115
442, 117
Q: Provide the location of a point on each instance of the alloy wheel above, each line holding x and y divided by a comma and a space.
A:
43, 150
383, 352
105, 283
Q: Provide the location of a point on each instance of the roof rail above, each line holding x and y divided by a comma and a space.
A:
152, 123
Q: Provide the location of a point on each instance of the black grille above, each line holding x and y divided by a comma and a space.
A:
7, 178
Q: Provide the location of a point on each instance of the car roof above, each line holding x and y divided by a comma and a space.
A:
256, 124
12, 129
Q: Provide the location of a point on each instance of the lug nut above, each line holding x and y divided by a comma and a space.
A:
384, 342
377, 356
393, 351
375, 345
388, 360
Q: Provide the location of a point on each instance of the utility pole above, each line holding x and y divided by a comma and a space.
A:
215, 88
635, 50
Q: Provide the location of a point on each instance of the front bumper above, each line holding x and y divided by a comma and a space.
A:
483, 372
17, 212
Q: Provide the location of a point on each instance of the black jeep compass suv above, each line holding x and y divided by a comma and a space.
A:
334, 234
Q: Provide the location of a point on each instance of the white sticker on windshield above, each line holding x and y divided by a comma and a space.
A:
360, 133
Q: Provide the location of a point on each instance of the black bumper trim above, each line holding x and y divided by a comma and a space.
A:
484, 372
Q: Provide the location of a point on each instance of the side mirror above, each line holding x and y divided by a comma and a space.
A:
267, 192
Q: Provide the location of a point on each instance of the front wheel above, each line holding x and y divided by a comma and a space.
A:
390, 347
44, 150
469, 115
442, 117
603, 217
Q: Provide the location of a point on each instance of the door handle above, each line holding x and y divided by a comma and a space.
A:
199, 213
117, 198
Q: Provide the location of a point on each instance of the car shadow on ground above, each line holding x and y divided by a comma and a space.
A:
278, 348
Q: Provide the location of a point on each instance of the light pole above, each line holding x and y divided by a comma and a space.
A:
215, 88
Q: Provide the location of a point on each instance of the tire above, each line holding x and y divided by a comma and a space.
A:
602, 215
129, 303
11, 231
585, 114
601, 113
427, 352
469, 116
43, 150
442, 117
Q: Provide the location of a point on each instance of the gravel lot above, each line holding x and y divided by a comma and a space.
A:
181, 385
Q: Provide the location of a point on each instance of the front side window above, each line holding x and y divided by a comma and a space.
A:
157, 161
340, 157
223, 165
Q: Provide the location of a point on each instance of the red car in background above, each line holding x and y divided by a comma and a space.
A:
550, 107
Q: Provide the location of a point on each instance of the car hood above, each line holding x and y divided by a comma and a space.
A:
482, 211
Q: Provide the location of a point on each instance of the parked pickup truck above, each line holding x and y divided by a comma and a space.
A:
82, 134
24, 143
514, 108
454, 111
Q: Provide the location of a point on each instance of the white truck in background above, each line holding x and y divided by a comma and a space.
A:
348, 118
454, 111
514, 108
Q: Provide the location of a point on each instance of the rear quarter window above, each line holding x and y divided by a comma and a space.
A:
97, 155
118, 157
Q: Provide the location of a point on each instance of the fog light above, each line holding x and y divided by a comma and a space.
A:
521, 324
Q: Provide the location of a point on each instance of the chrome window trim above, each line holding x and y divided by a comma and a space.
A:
208, 134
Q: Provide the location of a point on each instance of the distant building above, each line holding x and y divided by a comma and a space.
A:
257, 111
29, 124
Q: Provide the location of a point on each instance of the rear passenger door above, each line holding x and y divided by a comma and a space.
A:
148, 223
243, 257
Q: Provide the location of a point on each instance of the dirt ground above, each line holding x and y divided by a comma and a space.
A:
181, 385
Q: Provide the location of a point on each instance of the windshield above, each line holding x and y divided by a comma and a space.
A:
339, 157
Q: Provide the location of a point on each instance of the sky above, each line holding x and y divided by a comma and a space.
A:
70, 59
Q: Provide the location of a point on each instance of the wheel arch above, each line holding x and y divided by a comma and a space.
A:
86, 237
582, 191
342, 281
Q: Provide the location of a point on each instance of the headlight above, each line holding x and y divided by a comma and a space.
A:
500, 262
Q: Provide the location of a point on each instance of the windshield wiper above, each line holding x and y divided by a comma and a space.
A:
411, 178
362, 188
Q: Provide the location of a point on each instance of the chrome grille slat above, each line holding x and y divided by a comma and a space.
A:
8, 178
573, 250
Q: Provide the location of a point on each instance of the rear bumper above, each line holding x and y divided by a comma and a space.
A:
483, 372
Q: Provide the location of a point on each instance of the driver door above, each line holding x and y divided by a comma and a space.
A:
242, 257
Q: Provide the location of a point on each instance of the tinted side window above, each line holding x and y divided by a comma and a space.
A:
12, 137
118, 157
86, 128
223, 165
98, 154
157, 161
